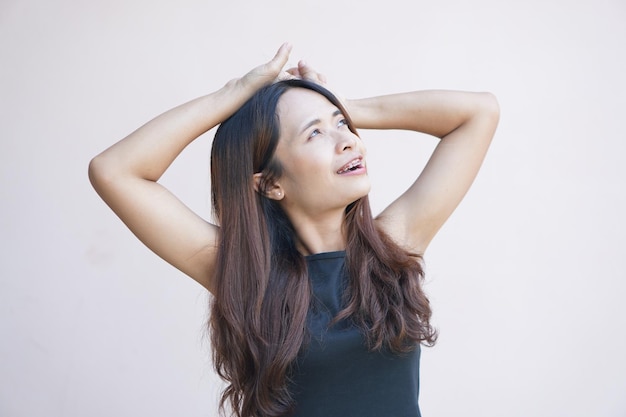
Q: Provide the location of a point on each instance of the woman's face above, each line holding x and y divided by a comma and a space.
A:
323, 161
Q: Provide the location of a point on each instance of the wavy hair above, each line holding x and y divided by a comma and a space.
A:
262, 297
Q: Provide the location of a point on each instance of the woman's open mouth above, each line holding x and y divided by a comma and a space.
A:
352, 166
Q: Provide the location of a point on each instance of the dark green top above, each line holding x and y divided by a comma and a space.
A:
336, 376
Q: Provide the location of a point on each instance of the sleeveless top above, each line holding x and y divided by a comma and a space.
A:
336, 375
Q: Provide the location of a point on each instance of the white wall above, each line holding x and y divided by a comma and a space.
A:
526, 279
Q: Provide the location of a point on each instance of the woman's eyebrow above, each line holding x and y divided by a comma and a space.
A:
316, 121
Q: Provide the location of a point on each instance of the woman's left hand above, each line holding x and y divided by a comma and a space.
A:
307, 72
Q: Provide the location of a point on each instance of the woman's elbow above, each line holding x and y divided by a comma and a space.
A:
100, 172
490, 107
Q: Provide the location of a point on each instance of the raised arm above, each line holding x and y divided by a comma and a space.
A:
126, 174
465, 122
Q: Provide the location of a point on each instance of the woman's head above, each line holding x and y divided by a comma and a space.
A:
291, 142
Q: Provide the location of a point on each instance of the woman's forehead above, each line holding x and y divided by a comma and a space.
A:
299, 106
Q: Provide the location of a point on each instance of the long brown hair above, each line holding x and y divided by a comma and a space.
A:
258, 314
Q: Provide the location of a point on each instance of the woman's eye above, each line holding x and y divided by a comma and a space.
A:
342, 122
314, 133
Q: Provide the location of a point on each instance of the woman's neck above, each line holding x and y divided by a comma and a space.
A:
322, 234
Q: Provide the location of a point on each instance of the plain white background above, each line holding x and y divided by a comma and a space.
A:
526, 279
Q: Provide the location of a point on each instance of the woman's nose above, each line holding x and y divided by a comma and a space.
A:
346, 141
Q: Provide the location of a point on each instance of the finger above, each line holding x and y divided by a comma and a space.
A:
309, 73
294, 71
284, 75
281, 57
270, 71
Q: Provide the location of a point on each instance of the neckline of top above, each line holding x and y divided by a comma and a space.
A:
326, 255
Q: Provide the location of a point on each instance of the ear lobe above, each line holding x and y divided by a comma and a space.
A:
276, 193
272, 191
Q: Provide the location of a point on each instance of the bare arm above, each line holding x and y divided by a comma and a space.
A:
465, 123
126, 174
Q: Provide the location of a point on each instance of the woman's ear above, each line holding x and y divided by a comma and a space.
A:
273, 191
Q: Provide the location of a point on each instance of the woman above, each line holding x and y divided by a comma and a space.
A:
318, 308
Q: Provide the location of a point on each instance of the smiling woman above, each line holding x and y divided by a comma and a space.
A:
322, 162
317, 307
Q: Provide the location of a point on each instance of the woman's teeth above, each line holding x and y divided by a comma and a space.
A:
350, 167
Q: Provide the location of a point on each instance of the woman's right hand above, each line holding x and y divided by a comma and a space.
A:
269, 72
